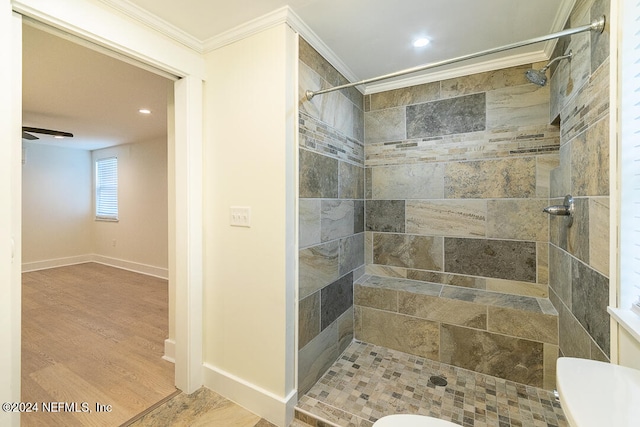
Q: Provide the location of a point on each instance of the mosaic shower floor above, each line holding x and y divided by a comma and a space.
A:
369, 381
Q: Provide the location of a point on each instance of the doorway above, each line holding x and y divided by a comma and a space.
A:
128, 38
91, 331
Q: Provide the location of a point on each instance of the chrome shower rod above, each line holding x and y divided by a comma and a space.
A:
596, 25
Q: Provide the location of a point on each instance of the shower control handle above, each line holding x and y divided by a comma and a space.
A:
557, 210
565, 209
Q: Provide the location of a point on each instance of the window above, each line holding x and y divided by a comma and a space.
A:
107, 189
630, 159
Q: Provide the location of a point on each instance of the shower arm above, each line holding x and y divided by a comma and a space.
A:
554, 60
596, 25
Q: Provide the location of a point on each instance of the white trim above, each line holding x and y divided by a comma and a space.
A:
247, 29
615, 174
96, 47
298, 25
459, 71
10, 209
286, 15
169, 350
153, 21
136, 267
628, 320
28, 267
558, 25
275, 409
102, 25
282, 15
187, 200
107, 28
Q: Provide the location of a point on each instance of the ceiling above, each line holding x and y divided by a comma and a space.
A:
72, 88
373, 37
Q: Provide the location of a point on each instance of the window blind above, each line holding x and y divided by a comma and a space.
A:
107, 188
630, 158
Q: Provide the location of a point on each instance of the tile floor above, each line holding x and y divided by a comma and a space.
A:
369, 381
203, 408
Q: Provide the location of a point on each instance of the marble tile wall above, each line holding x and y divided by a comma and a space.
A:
507, 336
579, 255
457, 173
331, 215
443, 184
456, 176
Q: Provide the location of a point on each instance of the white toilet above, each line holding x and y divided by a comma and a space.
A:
407, 420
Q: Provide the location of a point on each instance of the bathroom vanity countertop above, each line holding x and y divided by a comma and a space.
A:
598, 394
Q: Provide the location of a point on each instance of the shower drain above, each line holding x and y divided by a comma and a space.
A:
438, 380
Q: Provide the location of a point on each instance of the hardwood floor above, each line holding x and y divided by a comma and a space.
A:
94, 334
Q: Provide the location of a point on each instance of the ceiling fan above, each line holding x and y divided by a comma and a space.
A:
30, 137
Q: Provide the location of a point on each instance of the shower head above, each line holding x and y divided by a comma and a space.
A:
539, 77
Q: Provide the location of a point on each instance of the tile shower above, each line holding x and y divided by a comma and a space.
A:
331, 218
421, 224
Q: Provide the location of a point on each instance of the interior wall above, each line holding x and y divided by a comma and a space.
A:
249, 272
331, 215
59, 217
140, 236
56, 203
579, 255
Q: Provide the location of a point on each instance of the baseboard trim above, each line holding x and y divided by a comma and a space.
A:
275, 409
57, 262
169, 351
136, 267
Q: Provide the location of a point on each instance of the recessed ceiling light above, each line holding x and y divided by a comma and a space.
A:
421, 42
59, 137
144, 111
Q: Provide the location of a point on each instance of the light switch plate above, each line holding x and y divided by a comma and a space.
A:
240, 216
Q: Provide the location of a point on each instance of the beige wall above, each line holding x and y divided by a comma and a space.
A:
140, 234
249, 282
56, 203
59, 218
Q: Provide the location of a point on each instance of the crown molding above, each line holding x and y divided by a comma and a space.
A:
286, 15
139, 14
247, 29
458, 71
279, 16
464, 70
312, 38
558, 25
